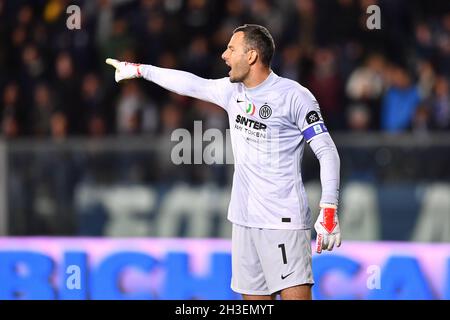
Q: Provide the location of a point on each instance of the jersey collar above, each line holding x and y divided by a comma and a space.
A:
267, 82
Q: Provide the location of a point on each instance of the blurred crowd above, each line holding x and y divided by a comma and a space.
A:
54, 82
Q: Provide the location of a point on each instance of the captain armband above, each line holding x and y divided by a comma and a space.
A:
315, 126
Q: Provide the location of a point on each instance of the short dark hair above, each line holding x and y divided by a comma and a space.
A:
259, 38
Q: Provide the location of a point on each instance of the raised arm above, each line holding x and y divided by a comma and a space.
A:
180, 82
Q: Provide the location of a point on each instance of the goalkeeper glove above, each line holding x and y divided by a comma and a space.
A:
125, 70
327, 228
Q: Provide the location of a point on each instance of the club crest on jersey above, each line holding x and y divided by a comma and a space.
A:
250, 109
265, 111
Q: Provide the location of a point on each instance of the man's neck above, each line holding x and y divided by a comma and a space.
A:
254, 79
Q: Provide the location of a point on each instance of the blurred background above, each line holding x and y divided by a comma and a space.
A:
81, 156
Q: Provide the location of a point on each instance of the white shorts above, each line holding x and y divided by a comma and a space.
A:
265, 261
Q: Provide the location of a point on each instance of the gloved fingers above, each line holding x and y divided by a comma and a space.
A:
325, 241
117, 76
338, 240
113, 62
319, 241
331, 240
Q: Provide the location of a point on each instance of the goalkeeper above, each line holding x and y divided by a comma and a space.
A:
271, 118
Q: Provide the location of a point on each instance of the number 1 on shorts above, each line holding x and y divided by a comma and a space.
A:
283, 252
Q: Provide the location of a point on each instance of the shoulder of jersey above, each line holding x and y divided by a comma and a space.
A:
296, 87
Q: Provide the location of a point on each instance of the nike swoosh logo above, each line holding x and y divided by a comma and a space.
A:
284, 277
239, 101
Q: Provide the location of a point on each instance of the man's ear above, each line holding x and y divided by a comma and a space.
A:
252, 57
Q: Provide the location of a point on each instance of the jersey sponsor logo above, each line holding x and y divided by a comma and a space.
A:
265, 112
250, 123
313, 116
238, 100
250, 109
285, 276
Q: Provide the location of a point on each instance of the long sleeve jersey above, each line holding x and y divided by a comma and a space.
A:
269, 125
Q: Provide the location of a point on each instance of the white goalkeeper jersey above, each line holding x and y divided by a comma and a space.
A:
269, 125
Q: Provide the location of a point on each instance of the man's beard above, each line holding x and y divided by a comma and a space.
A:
236, 79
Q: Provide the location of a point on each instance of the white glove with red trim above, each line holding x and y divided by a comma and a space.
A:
124, 70
327, 228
